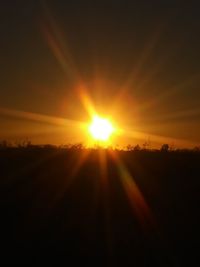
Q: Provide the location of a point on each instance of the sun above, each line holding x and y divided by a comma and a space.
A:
100, 129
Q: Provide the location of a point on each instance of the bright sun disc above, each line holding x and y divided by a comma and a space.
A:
100, 128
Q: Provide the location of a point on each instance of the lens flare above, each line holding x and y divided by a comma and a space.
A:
100, 128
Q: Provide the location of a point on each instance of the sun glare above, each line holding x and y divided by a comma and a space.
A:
101, 129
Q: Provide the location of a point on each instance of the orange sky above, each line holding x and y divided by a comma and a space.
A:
138, 64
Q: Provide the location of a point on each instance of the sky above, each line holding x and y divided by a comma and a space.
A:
137, 62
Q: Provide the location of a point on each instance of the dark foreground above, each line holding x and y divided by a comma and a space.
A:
53, 214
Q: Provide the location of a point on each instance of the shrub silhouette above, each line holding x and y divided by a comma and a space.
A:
165, 148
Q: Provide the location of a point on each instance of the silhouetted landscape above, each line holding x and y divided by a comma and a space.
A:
70, 206
100, 133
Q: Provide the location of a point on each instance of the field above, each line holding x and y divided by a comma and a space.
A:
99, 207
